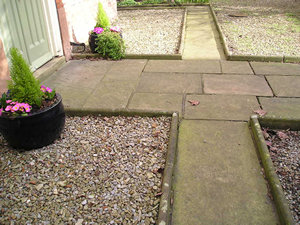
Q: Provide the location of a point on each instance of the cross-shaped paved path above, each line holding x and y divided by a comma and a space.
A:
218, 178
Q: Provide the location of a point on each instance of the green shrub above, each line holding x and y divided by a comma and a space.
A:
152, 2
102, 20
23, 86
110, 45
127, 3
192, 1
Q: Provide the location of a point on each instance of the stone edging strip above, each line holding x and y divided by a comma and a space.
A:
182, 35
116, 112
130, 56
164, 213
285, 215
283, 123
222, 38
167, 6
258, 58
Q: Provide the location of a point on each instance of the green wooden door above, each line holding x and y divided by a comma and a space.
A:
24, 27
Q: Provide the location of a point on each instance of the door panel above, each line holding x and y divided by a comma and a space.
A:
28, 31
34, 31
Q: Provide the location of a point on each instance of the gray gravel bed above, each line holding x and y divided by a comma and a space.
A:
103, 170
284, 148
151, 31
263, 31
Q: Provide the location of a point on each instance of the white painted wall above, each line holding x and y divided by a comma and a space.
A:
81, 16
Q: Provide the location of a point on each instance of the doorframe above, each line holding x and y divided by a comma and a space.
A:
53, 30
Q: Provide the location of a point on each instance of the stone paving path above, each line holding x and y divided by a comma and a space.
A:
201, 35
218, 179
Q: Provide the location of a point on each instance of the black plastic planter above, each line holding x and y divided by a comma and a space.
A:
35, 130
92, 42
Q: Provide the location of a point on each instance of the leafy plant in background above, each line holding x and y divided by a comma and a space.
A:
152, 2
110, 45
23, 86
102, 19
128, 3
191, 1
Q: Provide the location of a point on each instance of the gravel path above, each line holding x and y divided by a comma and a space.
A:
151, 31
284, 148
260, 30
102, 171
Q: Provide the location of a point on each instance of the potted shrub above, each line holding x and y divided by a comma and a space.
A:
31, 115
102, 22
110, 45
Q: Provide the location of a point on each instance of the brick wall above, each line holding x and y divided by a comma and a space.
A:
81, 15
4, 70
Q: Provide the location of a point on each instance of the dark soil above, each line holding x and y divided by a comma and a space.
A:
284, 148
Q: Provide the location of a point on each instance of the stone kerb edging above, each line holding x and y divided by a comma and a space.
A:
149, 6
258, 58
165, 206
130, 56
284, 213
182, 36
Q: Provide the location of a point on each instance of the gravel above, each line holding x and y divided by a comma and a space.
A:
250, 30
151, 31
101, 171
284, 148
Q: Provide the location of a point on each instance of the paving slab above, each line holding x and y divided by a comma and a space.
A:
156, 102
183, 66
199, 42
221, 107
73, 97
170, 83
285, 86
125, 70
281, 107
218, 178
236, 67
275, 68
236, 84
79, 74
194, 22
111, 95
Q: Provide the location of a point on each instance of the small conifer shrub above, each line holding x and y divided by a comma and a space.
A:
23, 86
102, 19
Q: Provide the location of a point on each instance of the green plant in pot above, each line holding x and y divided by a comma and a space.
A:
31, 115
102, 22
110, 45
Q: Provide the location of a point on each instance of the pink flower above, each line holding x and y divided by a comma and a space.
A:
98, 30
8, 101
48, 89
27, 108
8, 108
16, 107
115, 29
